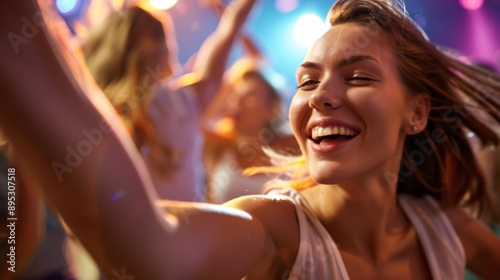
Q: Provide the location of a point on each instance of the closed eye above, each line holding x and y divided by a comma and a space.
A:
359, 80
307, 83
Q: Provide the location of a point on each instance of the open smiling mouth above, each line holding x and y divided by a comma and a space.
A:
332, 133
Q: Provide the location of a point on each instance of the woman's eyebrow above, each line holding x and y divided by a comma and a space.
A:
346, 61
310, 65
353, 59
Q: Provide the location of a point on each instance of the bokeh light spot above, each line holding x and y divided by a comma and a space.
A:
471, 4
308, 29
286, 6
66, 6
163, 4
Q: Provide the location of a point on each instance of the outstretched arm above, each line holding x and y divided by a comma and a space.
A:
72, 142
212, 58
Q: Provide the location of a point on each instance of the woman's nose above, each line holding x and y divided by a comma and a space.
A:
325, 97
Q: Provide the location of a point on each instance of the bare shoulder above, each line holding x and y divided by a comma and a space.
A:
481, 245
276, 213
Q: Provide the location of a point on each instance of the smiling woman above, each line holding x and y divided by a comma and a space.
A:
379, 116
356, 91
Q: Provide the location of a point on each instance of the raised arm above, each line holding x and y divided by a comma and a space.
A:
72, 142
252, 59
212, 58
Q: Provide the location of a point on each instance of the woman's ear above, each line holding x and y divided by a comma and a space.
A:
419, 109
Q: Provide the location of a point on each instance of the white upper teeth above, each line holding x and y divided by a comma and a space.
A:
319, 131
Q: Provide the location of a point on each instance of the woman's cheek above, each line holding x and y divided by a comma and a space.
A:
299, 114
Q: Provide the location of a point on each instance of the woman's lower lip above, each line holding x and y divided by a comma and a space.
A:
329, 145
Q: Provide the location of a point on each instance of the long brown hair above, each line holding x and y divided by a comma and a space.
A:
128, 56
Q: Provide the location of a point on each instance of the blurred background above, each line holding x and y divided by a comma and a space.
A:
284, 29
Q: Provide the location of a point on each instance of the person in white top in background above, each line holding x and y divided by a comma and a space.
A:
130, 58
246, 118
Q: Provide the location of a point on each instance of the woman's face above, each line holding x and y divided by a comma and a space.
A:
250, 106
350, 109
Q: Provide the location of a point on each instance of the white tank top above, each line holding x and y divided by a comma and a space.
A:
176, 117
318, 257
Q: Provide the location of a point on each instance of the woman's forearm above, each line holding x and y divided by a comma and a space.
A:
64, 138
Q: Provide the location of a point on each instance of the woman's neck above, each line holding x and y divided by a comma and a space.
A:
359, 217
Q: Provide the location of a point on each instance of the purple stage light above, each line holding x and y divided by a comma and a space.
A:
471, 5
